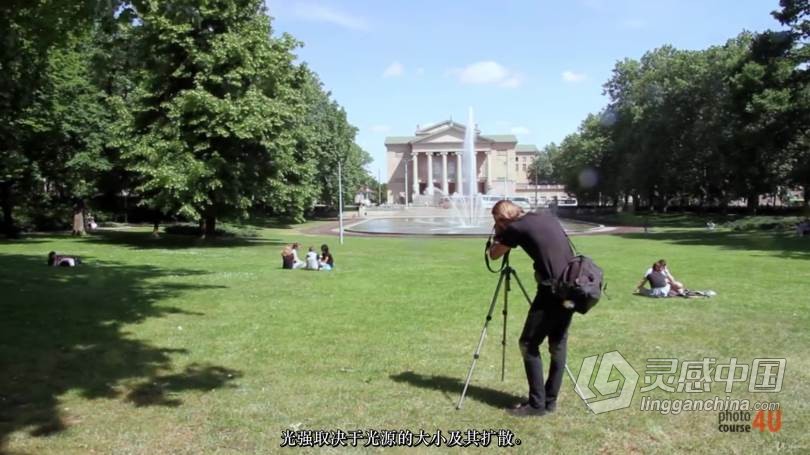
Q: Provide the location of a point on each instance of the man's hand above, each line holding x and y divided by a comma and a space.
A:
497, 250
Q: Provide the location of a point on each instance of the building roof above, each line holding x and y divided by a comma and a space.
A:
500, 137
395, 140
429, 130
425, 130
526, 148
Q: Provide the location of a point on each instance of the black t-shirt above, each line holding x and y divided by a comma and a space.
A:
327, 258
543, 239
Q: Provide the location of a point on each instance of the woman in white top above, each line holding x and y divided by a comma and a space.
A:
297, 262
312, 259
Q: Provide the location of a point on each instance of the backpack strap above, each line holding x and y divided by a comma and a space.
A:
574, 251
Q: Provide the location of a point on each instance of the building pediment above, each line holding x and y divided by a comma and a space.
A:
436, 127
449, 134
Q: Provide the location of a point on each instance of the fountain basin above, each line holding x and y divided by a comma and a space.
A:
432, 225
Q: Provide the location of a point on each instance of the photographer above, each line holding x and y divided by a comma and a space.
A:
542, 237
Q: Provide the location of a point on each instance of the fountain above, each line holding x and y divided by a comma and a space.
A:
467, 204
467, 215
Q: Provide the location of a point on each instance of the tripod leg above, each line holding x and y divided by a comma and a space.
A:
576, 388
477, 352
525, 294
505, 311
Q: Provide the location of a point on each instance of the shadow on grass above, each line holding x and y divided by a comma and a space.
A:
453, 386
778, 244
145, 240
65, 330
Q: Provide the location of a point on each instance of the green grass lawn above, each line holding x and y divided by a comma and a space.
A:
177, 345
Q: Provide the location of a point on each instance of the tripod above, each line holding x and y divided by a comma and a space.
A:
506, 274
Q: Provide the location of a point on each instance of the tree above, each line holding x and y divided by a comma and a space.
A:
216, 120
579, 163
329, 138
762, 102
796, 15
65, 127
30, 30
541, 169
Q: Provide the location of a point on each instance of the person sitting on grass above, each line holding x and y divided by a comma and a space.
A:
287, 258
659, 283
327, 261
312, 259
297, 262
62, 260
676, 285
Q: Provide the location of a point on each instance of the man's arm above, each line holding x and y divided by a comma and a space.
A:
497, 250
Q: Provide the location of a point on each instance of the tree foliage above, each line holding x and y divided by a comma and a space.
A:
192, 106
699, 127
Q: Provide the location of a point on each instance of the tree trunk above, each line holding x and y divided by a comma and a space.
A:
156, 226
753, 202
210, 223
8, 208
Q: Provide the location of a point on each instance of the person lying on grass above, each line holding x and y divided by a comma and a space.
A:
62, 260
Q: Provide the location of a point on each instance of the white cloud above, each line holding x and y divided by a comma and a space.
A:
513, 81
488, 73
380, 128
571, 76
520, 130
321, 13
394, 69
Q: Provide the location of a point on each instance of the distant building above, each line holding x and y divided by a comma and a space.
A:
433, 156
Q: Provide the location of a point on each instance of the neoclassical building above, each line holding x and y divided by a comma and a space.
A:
432, 159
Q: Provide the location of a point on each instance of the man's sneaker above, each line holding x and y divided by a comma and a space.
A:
526, 410
551, 407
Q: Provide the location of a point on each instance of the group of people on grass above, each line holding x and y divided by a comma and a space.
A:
661, 281
290, 259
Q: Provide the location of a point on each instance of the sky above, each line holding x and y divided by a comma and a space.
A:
530, 68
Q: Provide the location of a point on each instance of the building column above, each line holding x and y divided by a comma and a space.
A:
415, 174
444, 173
430, 173
459, 188
489, 170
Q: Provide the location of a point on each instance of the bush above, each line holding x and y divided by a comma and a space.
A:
764, 223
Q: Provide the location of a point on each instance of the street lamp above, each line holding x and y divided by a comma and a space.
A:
379, 186
536, 165
340, 201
